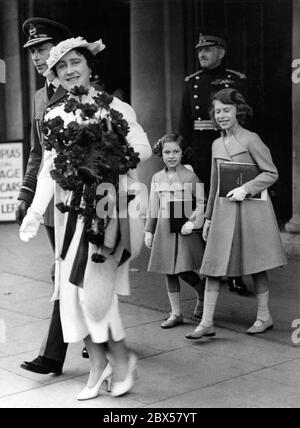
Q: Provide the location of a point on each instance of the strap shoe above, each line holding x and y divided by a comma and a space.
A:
201, 331
260, 326
172, 321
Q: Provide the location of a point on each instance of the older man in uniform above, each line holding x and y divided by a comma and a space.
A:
195, 124
42, 35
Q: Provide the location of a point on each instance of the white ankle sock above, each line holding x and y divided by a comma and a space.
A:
263, 306
210, 300
175, 303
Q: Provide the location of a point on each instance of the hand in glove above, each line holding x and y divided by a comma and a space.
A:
148, 239
30, 225
238, 194
187, 228
21, 211
206, 229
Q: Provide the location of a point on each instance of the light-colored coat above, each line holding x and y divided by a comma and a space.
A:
101, 280
172, 253
244, 236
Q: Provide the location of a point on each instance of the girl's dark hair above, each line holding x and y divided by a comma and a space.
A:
173, 138
232, 96
90, 59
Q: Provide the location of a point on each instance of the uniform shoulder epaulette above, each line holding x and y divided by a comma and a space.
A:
187, 78
237, 73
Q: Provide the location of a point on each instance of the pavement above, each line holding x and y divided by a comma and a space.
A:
230, 370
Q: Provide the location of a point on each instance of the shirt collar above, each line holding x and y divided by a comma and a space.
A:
55, 82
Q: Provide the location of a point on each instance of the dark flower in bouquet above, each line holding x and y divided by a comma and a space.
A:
90, 150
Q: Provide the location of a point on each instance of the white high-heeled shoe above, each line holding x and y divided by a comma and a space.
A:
87, 393
125, 385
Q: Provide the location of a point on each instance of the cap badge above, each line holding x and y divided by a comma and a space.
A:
32, 30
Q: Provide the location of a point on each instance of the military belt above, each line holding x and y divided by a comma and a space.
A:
204, 125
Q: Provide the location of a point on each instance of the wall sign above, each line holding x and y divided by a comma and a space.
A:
11, 176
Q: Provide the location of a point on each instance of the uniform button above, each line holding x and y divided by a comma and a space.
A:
195, 96
195, 86
197, 77
197, 107
199, 118
226, 86
229, 75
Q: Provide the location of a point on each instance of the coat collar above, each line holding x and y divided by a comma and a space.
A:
182, 176
40, 102
233, 148
59, 94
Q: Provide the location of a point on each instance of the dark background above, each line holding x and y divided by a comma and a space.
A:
259, 34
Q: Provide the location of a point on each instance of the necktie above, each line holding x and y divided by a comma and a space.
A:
50, 91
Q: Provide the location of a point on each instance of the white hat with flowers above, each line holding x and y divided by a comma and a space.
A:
58, 51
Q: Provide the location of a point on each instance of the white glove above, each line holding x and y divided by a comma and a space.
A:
148, 239
187, 228
206, 229
238, 194
30, 225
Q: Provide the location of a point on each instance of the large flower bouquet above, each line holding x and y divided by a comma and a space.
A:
89, 138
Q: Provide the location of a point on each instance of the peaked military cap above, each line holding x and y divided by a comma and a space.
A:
40, 30
210, 40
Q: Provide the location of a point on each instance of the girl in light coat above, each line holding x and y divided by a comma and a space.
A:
241, 234
177, 255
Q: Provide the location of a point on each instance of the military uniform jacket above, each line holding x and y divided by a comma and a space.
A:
40, 103
198, 90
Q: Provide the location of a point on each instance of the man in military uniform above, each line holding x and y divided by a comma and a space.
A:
42, 35
195, 124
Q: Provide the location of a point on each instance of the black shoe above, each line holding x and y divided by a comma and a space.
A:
42, 365
85, 353
237, 285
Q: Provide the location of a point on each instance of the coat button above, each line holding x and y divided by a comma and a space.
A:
197, 77
195, 96
195, 86
197, 107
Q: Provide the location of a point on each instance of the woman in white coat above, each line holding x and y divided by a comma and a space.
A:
90, 312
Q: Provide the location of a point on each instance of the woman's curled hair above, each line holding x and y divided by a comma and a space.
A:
233, 97
173, 138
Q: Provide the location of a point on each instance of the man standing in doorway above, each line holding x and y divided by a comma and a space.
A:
42, 34
195, 124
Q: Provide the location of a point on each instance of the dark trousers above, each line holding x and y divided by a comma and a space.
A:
53, 345
201, 155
